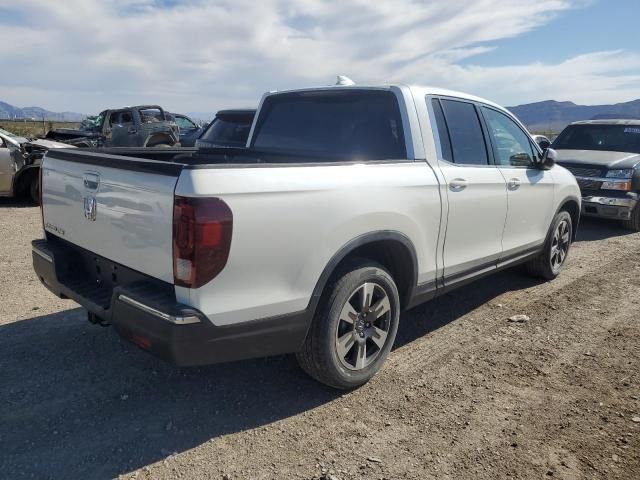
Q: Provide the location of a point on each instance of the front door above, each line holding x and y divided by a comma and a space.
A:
123, 130
475, 192
530, 190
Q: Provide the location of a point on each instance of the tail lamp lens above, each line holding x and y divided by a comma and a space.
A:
201, 239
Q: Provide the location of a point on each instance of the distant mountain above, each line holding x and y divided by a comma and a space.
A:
552, 116
10, 112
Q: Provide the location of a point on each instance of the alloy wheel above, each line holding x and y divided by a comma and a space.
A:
363, 327
560, 244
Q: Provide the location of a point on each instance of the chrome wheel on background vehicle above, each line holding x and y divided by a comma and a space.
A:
363, 326
560, 244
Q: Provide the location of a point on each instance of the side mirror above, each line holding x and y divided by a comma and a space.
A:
548, 159
544, 144
520, 160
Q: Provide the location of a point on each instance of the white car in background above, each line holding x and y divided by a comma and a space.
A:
20, 164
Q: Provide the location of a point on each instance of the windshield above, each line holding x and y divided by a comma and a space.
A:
614, 138
92, 123
229, 130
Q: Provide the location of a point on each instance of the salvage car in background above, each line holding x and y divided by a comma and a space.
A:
20, 164
189, 130
140, 126
604, 156
229, 128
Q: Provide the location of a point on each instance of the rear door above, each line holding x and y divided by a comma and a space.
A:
118, 207
530, 190
475, 191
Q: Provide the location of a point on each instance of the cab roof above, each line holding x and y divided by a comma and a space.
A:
418, 90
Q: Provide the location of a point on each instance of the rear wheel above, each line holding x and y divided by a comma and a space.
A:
556, 248
354, 330
634, 221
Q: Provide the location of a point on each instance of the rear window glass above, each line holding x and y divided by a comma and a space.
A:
151, 115
228, 130
615, 138
346, 125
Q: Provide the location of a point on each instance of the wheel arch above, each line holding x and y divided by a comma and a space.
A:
159, 138
392, 249
571, 205
22, 178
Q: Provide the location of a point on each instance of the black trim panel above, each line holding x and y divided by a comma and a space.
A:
119, 161
349, 247
428, 291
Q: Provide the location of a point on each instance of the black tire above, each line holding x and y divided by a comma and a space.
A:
34, 189
633, 223
544, 265
319, 356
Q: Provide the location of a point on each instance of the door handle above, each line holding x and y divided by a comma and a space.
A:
132, 130
513, 184
457, 184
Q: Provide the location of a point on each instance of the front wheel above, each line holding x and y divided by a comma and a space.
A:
556, 248
633, 223
354, 329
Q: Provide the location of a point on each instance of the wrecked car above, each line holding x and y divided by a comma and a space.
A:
189, 129
140, 126
20, 164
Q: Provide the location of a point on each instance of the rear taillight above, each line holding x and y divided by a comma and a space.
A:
201, 239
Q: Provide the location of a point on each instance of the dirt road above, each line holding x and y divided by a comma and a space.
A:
465, 394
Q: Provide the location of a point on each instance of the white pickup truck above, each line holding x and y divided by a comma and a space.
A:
348, 204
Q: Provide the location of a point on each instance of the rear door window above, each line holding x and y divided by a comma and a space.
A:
151, 115
333, 125
465, 132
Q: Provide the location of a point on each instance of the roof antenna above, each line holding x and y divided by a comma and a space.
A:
344, 81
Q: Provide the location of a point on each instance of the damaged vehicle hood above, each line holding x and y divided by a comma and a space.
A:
48, 144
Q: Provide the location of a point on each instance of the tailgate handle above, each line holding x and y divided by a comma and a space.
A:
91, 180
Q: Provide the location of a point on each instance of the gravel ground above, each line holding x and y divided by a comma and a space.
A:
466, 393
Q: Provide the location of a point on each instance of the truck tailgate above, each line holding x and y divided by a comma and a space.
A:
118, 207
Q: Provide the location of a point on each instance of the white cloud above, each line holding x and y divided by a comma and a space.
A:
203, 55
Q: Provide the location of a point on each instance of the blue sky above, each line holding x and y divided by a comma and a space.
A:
203, 55
597, 25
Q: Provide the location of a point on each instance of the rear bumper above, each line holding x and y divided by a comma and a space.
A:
609, 207
144, 311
